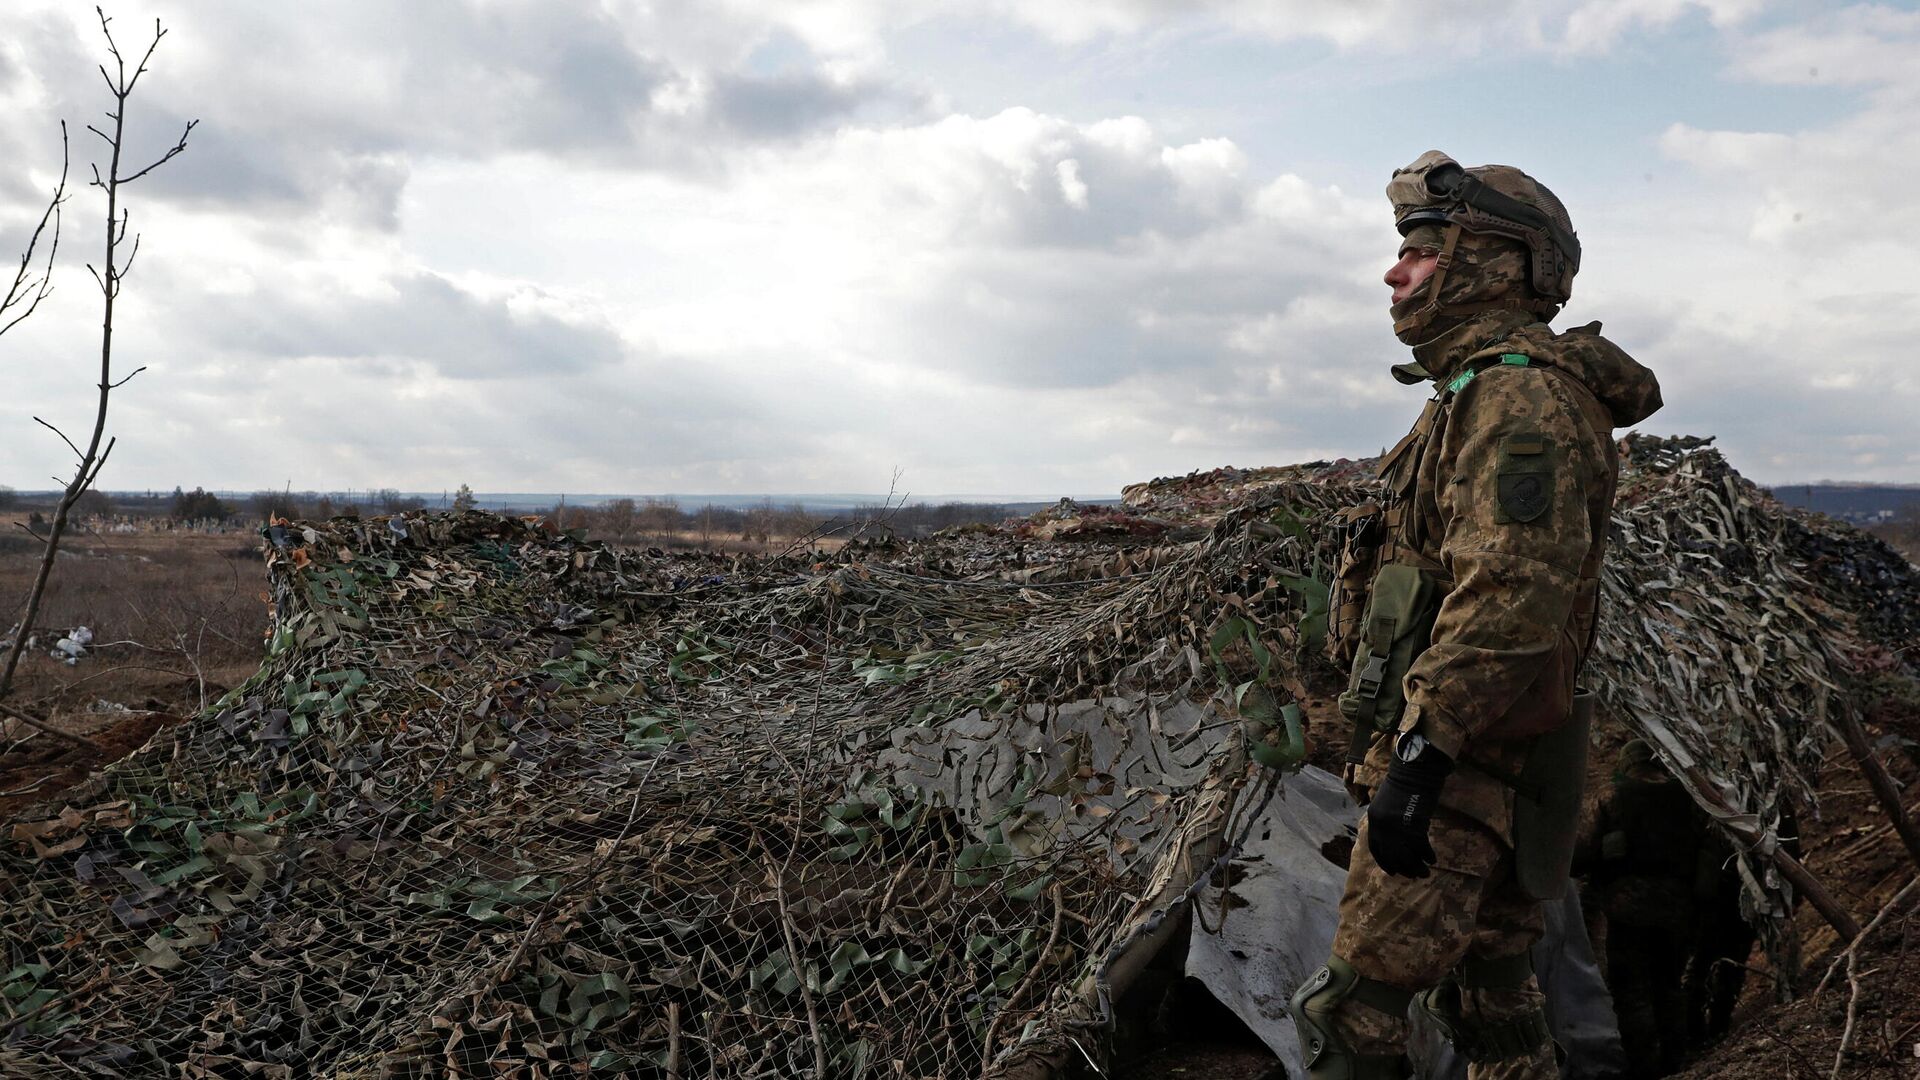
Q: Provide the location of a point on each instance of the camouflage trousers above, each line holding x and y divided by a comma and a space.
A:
1413, 932
1646, 970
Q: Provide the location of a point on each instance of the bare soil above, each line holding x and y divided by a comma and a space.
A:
1853, 850
1205, 1061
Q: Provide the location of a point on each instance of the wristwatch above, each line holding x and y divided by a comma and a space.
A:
1409, 746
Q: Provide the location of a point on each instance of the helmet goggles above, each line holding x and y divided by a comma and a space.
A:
1437, 190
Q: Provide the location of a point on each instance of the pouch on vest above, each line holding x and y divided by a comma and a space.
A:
1546, 805
1361, 535
1401, 607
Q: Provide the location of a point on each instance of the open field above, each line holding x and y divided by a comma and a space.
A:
177, 616
1902, 535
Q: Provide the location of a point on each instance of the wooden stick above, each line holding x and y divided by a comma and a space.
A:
1790, 868
1877, 779
1853, 947
45, 728
1013, 998
1823, 901
673, 1040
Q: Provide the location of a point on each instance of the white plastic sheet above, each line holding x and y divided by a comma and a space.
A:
1279, 929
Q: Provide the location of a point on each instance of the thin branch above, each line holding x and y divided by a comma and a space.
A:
126, 268
173, 151
48, 699
45, 728
1855, 944
26, 289
129, 378
63, 436
779, 882
158, 33
102, 463
35, 786
1013, 996
101, 979
1853, 1014
112, 48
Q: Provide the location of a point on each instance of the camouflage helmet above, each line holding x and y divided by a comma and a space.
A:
1638, 761
1490, 200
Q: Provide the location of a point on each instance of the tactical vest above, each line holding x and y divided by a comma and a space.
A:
1387, 592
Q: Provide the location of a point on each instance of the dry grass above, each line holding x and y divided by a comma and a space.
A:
177, 618
1902, 535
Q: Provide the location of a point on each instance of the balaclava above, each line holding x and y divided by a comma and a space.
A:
1505, 242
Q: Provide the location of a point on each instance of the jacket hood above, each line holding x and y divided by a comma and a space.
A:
1626, 387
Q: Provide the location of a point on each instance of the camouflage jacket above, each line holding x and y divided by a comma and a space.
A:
1504, 490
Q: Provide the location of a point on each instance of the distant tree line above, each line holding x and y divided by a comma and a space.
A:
915, 521
663, 522
202, 505
651, 521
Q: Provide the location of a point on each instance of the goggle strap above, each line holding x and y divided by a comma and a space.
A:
1475, 193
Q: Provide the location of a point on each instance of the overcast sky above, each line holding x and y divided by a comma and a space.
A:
1006, 247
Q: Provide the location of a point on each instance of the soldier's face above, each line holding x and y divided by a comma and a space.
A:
1411, 271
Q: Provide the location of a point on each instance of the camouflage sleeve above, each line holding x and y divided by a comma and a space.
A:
1513, 504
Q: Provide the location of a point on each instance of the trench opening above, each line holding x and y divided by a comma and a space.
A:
1168, 1026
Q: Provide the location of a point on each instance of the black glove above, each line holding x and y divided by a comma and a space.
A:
1401, 811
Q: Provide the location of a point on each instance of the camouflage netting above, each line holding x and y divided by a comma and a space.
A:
504, 802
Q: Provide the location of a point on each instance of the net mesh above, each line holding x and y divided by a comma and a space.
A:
506, 802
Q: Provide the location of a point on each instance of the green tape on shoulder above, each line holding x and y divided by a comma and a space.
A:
1512, 359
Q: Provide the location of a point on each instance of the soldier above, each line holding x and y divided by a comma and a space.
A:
1649, 848
1478, 618
1723, 937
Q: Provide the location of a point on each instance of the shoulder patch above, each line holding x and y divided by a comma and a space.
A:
1524, 487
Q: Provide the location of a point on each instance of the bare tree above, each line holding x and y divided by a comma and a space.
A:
110, 276
761, 520
617, 517
662, 518
267, 505
463, 499
566, 517
392, 502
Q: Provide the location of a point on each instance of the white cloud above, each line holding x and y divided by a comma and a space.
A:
1838, 185
1598, 24
655, 247
1862, 44
1072, 188
1568, 26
